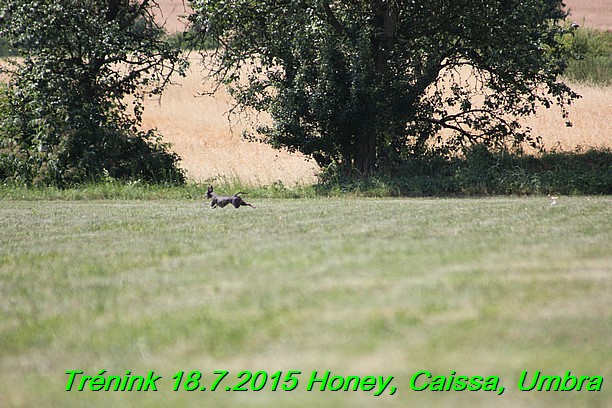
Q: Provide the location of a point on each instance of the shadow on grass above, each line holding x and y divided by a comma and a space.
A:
479, 173
482, 172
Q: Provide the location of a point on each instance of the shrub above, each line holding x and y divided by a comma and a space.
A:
74, 106
592, 50
484, 172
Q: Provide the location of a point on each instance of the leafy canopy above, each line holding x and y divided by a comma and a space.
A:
368, 84
66, 115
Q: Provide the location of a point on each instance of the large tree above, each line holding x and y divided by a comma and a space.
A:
369, 83
74, 103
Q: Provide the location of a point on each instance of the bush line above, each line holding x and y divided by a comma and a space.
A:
479, 173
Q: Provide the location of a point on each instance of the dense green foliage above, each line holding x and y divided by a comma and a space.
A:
65, 117
317, 67
592, 56
478, 173
5, 48
481, 172
368, 85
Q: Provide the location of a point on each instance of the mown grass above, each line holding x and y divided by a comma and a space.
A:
358, 286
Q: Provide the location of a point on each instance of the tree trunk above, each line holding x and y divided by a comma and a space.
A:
365, 152
387, 16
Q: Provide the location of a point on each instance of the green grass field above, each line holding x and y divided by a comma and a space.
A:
381, 287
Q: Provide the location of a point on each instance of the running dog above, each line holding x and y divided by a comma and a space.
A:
222, 201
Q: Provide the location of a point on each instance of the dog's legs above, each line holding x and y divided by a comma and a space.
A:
244, 203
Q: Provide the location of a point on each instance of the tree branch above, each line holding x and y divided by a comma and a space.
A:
332, 20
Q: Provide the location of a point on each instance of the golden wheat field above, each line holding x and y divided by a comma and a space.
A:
209, 141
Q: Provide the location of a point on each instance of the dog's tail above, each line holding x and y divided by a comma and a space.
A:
238, 193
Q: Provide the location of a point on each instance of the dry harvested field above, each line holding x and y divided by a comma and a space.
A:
591, 13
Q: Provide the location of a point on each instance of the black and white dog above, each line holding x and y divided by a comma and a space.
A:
222, 201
